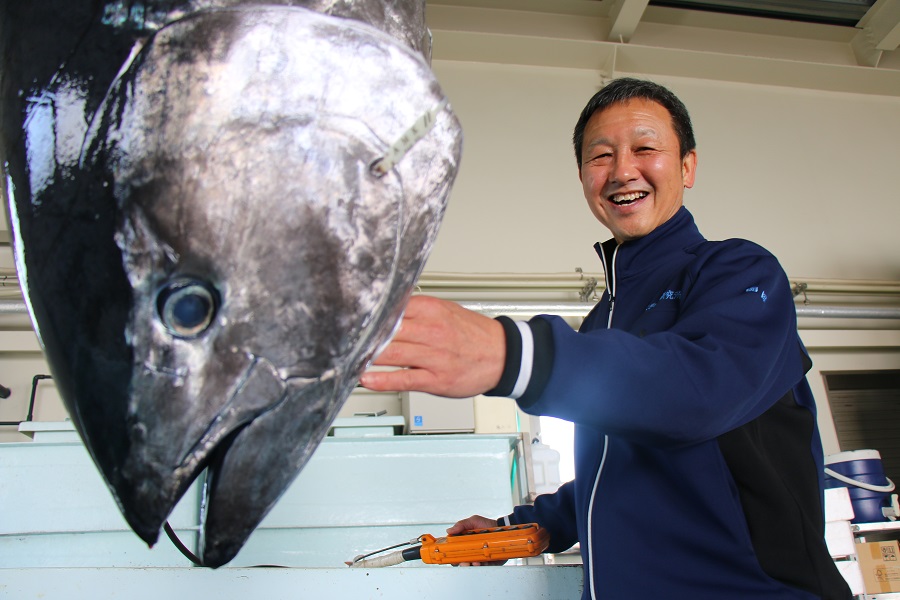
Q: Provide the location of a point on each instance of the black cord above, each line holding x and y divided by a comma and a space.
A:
181, 547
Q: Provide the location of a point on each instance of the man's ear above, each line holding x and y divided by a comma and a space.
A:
688, 169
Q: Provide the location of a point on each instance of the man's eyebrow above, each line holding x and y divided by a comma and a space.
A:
640, 132
597, 142
647, 132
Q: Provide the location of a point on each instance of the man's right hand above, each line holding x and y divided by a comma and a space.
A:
442, 349
469, 524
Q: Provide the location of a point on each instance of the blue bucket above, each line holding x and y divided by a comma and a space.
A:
862, 473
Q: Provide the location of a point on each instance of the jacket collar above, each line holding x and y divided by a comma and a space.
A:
634, 256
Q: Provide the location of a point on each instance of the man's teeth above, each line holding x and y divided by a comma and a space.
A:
627, 198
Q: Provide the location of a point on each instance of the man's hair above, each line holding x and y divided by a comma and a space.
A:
627, 88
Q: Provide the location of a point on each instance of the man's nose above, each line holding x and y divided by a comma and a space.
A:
623, 168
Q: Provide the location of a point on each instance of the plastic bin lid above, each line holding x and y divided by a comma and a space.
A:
841, 457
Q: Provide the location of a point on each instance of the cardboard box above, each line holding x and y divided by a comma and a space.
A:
880, 565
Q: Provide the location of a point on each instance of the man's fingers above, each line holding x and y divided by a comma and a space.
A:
405, 353
402, 380
470, 523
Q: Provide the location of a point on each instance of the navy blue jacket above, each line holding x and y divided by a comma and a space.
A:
698, 463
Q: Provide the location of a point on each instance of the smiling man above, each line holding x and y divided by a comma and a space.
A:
697, 456
633, 167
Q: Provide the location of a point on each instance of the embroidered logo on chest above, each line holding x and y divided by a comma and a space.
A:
756, 290
667, 296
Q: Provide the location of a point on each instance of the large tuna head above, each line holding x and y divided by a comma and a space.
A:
233, 236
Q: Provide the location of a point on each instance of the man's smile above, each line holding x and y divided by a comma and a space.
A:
629, 198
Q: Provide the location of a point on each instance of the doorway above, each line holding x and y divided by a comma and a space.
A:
865, 406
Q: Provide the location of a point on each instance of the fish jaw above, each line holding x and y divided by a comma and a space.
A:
157, 469
234, 497
257, 184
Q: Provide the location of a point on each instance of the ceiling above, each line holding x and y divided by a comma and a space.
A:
823, 45
877, 22
826, 12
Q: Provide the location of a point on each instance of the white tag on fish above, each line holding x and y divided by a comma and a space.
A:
412, 135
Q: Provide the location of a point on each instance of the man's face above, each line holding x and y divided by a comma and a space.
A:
632, 171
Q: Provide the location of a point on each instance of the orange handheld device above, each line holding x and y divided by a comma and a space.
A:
478, 545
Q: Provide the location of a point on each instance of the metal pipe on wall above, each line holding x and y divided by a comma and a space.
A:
589, 286
575, 280
580, 309
12, 307
848, 312
578, 278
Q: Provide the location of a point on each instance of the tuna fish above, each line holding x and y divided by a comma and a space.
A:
219, 209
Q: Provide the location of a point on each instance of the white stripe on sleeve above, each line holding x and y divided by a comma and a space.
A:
527, 360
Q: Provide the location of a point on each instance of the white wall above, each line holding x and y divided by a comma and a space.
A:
517, 204
813, 176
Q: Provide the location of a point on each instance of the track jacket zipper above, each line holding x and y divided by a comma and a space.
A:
611, 284
609, 269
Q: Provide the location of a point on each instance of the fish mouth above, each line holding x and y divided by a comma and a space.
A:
249, 459
154, 474
252, 468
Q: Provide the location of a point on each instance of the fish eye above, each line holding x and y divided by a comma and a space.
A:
187, 306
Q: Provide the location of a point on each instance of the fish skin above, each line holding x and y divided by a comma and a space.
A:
229, 151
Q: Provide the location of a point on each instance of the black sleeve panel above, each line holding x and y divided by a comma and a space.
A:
513, 359
771, 462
